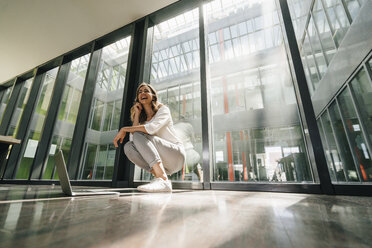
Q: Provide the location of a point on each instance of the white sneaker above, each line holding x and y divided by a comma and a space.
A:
157, 185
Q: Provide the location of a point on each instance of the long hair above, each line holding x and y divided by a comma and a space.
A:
154, 104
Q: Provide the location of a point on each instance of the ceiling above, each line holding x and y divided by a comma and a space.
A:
36, 31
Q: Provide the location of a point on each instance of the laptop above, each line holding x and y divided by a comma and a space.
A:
65, 181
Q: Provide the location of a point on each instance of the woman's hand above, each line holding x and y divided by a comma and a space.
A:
119, 137
138, 108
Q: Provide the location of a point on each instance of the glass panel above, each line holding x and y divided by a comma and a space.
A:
67, 113
311, 65
251, 141
103, 124
116, 114
337, 158
327, 152
316, 48
346, 156
90, 161
110, 160
357, 140
353, 7
299, 10
178, 84
338, 19
104, 165
37, 124
310, 85
21, 103
58, 143
324, 30
4, 100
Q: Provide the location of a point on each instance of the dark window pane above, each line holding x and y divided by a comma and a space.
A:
346, 156
356, 136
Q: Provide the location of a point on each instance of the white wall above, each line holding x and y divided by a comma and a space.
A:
35, 31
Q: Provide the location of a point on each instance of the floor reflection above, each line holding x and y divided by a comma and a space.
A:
47, 192
183, 219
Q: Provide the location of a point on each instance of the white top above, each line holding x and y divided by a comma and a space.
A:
161, 125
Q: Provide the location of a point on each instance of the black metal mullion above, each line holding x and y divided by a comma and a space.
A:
78, 138
206, 116
54, 167
24, 126
146, 49
149, 50
305, 104
2, 91
38, 165
348, 15
11, 106
123, 168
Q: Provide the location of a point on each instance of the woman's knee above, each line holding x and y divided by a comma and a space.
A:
128, 148
138, 136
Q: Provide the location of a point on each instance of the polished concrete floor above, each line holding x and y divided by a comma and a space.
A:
41, 216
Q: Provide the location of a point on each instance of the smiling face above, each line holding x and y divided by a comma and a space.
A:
144, 95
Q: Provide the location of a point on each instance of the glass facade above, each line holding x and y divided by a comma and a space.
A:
299, 12
332, 148
322, 27
351, 121
353, 7
328, 23
98, 158
336, 15
175, 74
257, 133
37, 124
21, 104
356, 137
251, 142
67, 114
362, 88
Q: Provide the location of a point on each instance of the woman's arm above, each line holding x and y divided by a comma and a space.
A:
132, 129
124, 130
136, 119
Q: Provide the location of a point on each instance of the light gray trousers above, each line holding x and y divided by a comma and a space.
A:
146, 150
